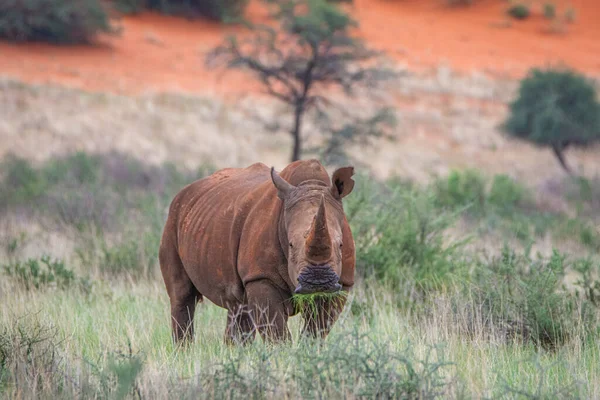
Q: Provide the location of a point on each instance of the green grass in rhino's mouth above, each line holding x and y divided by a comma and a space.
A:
302, 301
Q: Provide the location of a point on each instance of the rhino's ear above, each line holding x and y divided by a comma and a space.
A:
342, 182
283, 187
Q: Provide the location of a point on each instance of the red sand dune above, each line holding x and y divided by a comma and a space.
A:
158, 53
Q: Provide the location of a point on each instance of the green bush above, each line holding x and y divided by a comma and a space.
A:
506, 194
555, 108
570, 15
79, 168
584, 195
20, 183
461, 189
459, 2
357, 366
519, 11
23, 184
99, 196
129, 6
55, 21
399, 237
527, 298
40, 273
80, 190
219, 10
136, 256
28, 355
351, 365
509, 207
588, 283
549, 11
569, 388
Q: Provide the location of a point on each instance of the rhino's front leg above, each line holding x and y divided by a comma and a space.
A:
268, 310
320, 316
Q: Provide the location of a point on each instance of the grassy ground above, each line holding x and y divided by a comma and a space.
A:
92, 337
472, 285
450, 301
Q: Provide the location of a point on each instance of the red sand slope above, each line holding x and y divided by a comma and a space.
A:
160, 53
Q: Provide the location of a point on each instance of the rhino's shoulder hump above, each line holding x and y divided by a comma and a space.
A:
257, 167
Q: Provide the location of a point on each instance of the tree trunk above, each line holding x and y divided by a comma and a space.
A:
558, 152
297, 129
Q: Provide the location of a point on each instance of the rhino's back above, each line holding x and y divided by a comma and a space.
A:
210, 215
218, 191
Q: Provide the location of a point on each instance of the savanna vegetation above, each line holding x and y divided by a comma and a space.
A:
81, 21
54, 21
219, 10
442, 308
467, 286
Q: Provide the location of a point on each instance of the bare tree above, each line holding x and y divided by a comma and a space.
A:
304, 59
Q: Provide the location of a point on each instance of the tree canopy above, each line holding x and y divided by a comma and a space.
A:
556, 108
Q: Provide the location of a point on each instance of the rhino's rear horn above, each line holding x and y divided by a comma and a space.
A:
284, 188
318, 242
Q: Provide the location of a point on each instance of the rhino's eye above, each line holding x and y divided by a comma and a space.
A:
341, 245
291, 245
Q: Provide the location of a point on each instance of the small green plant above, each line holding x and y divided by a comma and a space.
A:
40, 273
21, 182
29, 356
555, 108
570, 387
55, 21
118, 374
14, 244
123, 258
506, 194
519, 11
558, 22
549, 11
461, 189
459, 2
570, 15
584, 195
589, 280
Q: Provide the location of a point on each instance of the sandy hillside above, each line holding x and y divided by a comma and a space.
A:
460, 61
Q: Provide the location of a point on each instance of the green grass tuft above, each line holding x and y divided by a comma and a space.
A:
311, 301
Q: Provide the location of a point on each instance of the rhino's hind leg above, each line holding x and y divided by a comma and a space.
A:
183, 306
240, 327
182, 294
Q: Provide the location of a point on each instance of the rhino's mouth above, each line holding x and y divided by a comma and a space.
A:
317, 279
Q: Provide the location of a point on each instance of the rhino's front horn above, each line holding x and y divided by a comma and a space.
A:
318, 242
